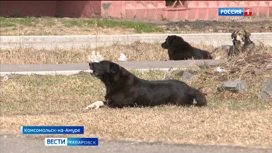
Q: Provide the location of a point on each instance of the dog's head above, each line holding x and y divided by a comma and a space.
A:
240, 35
173, 39
104, 70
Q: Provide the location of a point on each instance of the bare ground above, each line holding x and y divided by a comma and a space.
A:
253, 26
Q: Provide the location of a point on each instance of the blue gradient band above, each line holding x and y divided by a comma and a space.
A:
230, 11
52, 129
82, 141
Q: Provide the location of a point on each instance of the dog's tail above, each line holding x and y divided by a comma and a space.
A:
198, 96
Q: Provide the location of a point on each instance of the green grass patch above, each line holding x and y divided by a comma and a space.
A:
49, 22
107, 23
13, 22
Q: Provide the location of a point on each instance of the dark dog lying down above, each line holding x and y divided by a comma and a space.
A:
178, 49
241, 44
124, 89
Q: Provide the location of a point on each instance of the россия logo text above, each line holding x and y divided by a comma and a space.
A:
234, 11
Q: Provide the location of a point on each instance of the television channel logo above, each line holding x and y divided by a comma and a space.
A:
55, 141
234, 11
71, 141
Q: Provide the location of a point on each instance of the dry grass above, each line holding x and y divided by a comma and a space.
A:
135, 52
218, 126
230, 119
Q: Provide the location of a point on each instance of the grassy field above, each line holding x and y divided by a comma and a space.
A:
70, 26
91, 26
135, 52
230, 118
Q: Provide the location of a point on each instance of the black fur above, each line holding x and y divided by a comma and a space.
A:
178, 49
124, 89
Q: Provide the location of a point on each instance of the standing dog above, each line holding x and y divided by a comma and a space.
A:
124, 89
241, 44
178, 49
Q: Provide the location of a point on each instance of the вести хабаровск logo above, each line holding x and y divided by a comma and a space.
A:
71, 141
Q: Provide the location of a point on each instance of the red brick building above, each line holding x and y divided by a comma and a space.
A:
148, 10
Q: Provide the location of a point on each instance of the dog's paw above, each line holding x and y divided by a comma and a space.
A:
95, 105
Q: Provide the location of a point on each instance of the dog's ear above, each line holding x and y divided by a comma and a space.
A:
114, 68
170, 39
247, 33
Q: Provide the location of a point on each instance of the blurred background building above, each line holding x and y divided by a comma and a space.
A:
141, 10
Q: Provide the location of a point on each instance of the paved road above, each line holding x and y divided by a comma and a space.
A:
94, 41
75, 68
22, 144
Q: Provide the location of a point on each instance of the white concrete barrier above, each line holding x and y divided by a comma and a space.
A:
69, 69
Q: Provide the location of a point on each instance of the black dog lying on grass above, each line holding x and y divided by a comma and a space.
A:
123, 89
178, 49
